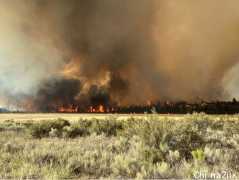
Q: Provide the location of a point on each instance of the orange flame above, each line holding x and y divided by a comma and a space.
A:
101, 109
148, 103
67, 109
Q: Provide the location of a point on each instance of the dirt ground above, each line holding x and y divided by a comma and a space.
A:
70, 116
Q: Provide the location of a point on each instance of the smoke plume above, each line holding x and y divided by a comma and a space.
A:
92, 53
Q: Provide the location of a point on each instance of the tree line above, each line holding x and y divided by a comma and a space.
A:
180, 107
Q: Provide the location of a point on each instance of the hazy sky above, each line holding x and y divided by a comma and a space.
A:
136, 50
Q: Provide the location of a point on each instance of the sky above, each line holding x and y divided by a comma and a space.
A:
76, 52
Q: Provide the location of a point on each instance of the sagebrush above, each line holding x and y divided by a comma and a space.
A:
149, 147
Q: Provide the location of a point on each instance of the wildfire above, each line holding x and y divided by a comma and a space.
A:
97, 109
168, 102
203, 104
149, 103
68, 109
101, 109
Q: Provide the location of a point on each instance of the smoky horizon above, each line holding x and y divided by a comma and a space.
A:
108, 53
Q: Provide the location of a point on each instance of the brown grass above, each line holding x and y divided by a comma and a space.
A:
69, 116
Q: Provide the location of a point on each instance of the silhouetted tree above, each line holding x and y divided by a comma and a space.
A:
41, 109
57, 109
78, 109
234, 101
47, 108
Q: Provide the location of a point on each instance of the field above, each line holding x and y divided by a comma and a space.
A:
69, 116
76, 116
142, 146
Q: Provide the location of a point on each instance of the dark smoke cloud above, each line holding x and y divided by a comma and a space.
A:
59, 92
111, 40
92, 52
98, 97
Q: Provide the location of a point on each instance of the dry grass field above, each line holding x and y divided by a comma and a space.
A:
69, 116
77, 116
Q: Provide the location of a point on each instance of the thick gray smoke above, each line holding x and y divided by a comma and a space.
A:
92, 52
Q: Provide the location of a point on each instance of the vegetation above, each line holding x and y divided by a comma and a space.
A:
180, 107
150, 147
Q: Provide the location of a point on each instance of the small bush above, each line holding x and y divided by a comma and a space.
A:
28, 123
198, 155
164, 133
1, 128
231, 126
42, 128
173, 156
54, 133
150, 155
79, 128
109, 126
7, 147
11, 125
8, 123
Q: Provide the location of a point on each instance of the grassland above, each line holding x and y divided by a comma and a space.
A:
134, 147
69, 116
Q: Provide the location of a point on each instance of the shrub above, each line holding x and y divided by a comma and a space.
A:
231, 126
109, 126
7, 147
161, 133
11, 125
79, 128
215, 155
150, 155
198, 155
54, 133
8, 123
173, 156
149, 148
28, 123
42, 128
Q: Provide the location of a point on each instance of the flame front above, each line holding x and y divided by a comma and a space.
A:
101, 109
62, 109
